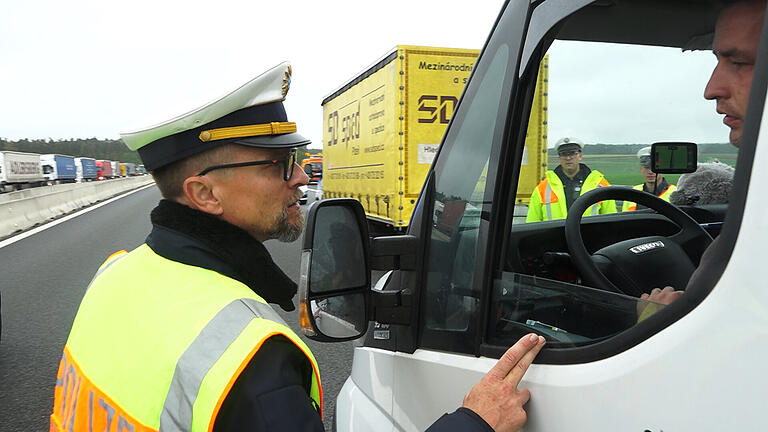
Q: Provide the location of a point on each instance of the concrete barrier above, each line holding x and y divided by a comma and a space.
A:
26, 208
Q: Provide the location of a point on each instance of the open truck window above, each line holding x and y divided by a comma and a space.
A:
616, 99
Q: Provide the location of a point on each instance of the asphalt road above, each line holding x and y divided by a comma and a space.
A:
43, 279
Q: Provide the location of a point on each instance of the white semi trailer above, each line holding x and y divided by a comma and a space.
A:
19, 170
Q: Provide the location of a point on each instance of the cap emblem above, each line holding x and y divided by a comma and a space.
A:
287, 80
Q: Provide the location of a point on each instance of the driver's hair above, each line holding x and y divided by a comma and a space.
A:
170, 178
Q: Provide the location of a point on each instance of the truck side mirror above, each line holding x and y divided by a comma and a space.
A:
335, 280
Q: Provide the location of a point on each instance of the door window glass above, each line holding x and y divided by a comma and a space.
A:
451, 301
608, 102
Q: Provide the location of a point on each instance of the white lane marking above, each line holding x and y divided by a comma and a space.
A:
53, 223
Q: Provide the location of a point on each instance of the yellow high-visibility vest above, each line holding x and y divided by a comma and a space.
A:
160, 356
630, 206
548, 198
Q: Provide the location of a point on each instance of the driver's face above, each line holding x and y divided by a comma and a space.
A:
737, 35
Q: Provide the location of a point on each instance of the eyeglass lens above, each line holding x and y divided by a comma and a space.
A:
568, 153
288, 164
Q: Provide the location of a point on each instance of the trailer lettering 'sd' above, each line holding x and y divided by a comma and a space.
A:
433, 105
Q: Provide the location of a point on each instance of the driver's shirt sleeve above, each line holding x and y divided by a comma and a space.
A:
461, 420
270, 394
708, 258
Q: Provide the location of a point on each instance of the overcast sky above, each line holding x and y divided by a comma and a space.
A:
80, 68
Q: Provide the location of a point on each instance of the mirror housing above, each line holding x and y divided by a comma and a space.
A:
335, 278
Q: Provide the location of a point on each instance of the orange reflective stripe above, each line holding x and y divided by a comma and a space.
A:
666, 190
603, 183
242, 366
78, 405
120, 252
542, 187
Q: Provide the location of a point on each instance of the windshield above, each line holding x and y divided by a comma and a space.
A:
607, 104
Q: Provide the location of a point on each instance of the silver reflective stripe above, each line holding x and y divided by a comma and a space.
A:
109, 264
104, 268
548, 201
594, 209
200, 356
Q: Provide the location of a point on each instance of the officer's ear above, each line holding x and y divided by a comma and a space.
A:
199, 194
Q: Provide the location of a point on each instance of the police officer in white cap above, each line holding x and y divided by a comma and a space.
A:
560, 187
177, 335
654, 183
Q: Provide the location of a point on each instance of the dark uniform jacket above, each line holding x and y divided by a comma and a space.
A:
272, 392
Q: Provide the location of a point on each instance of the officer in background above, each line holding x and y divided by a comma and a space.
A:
654, 183
177, 335
554, 195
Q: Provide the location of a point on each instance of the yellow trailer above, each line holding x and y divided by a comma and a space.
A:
383, 128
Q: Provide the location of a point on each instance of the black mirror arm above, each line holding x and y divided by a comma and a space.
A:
392, 307
394, 252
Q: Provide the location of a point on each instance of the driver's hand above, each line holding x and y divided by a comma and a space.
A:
663, 296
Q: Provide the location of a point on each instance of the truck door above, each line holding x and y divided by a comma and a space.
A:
622, 73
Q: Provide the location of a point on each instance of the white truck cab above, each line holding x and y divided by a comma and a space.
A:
468, 279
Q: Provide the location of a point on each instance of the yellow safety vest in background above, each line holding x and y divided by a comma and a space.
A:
630, 206
160, 355
548, 198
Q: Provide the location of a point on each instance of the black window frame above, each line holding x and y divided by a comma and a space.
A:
446, 340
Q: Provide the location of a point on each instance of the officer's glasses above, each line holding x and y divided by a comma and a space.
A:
288, 163
568, 154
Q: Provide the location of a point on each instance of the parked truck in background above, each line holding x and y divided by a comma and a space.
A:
86, 169
104, 169
58, 168
19, 170
130, 169
383, 128
313, 166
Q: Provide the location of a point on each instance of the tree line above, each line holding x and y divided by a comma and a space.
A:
632, 149
94, 148
116, 150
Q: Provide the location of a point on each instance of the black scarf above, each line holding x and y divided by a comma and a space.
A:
197, 238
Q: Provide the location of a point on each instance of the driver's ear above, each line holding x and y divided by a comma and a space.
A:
199, 192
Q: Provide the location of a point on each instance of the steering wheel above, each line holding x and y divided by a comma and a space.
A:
636, 266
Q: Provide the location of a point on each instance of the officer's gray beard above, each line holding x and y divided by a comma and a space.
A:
284, 230
287, 232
